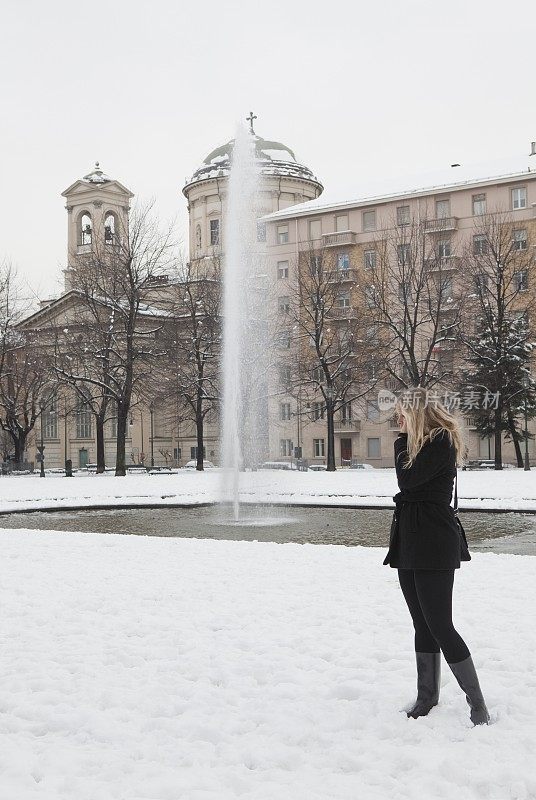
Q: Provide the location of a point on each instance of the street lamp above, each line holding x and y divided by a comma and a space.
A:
526, 384
151, 411
68, 461
331, 433
41, 447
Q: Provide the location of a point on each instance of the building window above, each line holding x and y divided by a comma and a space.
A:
284, 375
319, 448
343, 261
343, 300
315, 229
403, 253
373, 411
50, 420
318, 411
370, 296
316, 266
283, 304
519, 198
442, 209
341, 223
369, 220
520, 240
261, 231
283, 340
402, 215
521, 279
369, 259
194, 451
214, 231
109, 228
86, 229
479, 205
346, 412
446, 288
285, 447
443, 248
318, 374
284, 411
282, 234
404, 292
481, 281
372, 370
282, 269
373, 448
83, 419
480, 245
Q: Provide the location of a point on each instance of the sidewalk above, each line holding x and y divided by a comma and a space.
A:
510, 490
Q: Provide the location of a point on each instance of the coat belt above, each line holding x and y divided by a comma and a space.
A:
438, 498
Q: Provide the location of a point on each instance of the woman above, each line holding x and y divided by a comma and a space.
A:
427, 545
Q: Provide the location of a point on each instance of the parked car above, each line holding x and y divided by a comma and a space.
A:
162, 471
278, 465
358, 465
193, 464
318, 467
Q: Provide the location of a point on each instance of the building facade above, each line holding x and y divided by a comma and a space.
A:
353, 231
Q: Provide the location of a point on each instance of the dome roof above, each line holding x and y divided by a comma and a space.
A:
274, 159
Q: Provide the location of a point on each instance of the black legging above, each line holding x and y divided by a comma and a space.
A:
428, 593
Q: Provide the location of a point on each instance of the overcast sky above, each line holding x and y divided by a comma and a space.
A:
149, 88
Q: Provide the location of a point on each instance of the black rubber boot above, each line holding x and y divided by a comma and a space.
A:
465, 674
428, 679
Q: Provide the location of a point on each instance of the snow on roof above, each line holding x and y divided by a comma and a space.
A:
378, 190
274, 158
97, 175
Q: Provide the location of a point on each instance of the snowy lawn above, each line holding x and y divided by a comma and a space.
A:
179, 669
485, 489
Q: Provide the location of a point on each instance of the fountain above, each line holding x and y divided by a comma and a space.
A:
245, 333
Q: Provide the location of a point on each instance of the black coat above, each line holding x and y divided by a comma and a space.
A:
424, 532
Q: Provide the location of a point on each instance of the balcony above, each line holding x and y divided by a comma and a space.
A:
343, 275
338, 239
342, 312
347, 425
437, 264
441, 224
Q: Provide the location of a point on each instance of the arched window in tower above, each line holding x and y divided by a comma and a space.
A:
109, 228
198, 237
86, 229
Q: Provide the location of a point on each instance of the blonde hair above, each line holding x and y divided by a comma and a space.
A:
426, 417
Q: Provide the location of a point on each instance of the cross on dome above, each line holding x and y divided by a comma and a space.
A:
250, 119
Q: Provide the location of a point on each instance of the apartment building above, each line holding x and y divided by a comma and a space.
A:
451, 205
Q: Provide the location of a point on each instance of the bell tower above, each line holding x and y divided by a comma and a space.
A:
97, 208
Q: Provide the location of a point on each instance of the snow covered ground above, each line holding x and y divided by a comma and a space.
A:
484, 489
144, 668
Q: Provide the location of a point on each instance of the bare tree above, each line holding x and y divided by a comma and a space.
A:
409, 288
26, 380
111, 349
497, 332
192, 340
330, 333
